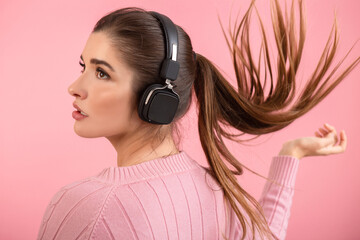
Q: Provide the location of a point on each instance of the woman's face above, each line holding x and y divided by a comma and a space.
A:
103, 92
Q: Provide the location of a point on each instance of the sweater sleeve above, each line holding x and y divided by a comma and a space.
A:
276, 198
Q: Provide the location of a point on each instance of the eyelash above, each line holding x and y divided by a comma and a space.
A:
97, 69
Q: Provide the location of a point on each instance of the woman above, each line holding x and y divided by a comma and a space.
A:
157, 191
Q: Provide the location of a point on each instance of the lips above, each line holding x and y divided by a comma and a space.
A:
79, 109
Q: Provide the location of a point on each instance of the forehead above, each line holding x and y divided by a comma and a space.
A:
98, 45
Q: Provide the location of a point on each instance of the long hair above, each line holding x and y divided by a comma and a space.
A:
136, 34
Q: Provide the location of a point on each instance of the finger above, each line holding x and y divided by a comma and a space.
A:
318, 134
332, 135
329, 127
343, 139
323, 131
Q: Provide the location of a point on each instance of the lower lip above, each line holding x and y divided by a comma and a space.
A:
77, 115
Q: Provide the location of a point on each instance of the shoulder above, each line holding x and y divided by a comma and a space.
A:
147, 207
74, 208
84, 189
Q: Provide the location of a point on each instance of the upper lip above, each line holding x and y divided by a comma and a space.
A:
77, 107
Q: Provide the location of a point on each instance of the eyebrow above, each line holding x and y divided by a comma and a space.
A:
98, 61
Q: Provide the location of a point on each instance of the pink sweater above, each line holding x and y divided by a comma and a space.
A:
165, 198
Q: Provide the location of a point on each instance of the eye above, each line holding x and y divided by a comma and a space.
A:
102, 73
83, 65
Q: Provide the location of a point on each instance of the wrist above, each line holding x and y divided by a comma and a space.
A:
290, 149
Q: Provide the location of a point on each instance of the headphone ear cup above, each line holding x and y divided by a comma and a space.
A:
141, 107
161, 105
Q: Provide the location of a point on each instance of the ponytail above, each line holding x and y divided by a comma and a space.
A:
212, 90
247, 110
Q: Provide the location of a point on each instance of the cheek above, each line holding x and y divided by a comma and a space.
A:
111, 108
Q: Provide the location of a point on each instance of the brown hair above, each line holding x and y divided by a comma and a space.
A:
138, 37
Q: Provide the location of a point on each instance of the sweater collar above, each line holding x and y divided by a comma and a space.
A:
178, 162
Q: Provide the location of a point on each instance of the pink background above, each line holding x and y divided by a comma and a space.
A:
40, 45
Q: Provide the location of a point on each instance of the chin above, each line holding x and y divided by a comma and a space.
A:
86, 132
96, 131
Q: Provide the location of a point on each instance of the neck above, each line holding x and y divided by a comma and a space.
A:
130, 150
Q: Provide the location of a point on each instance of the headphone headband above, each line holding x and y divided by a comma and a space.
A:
159, 102
170, 66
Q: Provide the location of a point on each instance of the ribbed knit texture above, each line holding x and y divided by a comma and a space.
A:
165, 198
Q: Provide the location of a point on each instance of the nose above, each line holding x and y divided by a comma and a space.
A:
76, 90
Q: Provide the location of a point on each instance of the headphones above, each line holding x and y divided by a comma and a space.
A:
159, 103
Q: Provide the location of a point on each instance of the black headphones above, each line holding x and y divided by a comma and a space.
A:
159, 103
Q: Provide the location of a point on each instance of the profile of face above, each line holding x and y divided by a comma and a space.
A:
103, 91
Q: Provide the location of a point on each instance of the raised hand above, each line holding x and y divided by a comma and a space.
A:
325, 143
